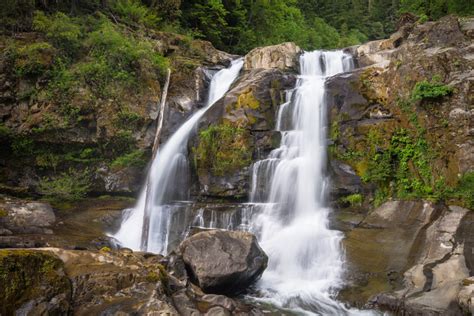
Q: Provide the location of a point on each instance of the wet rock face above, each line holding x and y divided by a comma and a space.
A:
282, 56
223, 261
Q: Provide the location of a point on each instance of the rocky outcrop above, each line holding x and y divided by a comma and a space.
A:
283, 56
414, 252
373, 105
247, 114
57, 281
223, 261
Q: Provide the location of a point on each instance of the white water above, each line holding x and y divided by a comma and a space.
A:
305, 256
168, 178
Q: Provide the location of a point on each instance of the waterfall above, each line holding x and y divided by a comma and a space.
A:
168, 179
290, 186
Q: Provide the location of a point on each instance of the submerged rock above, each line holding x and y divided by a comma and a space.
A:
223, 261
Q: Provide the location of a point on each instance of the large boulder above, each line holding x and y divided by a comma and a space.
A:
282, 56
25, 217
223, 261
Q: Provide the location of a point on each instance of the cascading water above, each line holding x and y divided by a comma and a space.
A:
305, 257
168, 179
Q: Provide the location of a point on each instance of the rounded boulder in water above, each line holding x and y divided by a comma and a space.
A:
223, 262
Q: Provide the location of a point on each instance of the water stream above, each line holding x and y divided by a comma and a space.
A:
169, 180
288, 208
306, 261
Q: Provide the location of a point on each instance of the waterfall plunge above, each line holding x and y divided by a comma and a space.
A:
168, 178
305, 256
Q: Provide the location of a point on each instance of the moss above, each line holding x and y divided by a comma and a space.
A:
3, 213
247, 100
153, 277
223, 149
26, 275
105, 249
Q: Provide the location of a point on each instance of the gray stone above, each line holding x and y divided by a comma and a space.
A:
282, 56
223, 261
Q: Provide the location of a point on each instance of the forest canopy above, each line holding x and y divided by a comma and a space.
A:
239, 25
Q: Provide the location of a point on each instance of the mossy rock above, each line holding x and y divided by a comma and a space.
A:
223, 149
27, 275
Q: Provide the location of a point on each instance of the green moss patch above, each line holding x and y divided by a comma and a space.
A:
223, 149
27, 275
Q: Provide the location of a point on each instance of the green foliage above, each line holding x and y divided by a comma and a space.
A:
4, 131
133, 159
222, 149
31, 59
127, 118
22, 145
61, 85
435, 9
48, 160
352, 199
464, 191
133, 11
429, 90
15, 15
117, 58
64, 32
70, 185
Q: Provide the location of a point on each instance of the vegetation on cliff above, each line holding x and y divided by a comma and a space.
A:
239, 26
222, 149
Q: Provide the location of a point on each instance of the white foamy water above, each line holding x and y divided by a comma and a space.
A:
306, 261
168, 179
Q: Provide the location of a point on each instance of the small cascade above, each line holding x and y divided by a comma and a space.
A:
289, 187
169, 181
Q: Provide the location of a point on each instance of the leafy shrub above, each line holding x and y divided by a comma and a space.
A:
62, 82
32, 59
353, 199
430, 90
22, 146
115, 57
64, 32
132, 11
133, 159
70, 185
